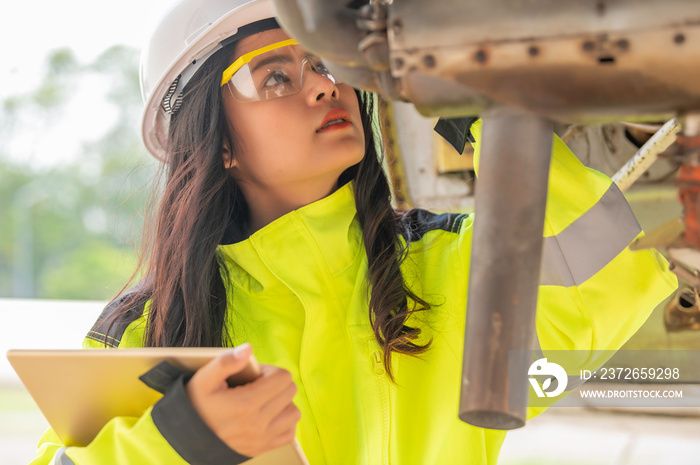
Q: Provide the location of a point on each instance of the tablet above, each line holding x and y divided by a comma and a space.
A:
79, 391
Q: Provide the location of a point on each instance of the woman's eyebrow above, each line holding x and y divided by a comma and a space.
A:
273, 59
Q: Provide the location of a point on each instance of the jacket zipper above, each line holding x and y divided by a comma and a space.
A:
378, 370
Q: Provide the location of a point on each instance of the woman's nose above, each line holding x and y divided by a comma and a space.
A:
320, 86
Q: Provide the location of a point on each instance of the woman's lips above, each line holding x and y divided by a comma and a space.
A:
335, 127
336, 119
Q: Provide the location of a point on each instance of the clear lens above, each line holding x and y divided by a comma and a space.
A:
274, 74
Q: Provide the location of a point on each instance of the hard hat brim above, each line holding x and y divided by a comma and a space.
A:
155, 120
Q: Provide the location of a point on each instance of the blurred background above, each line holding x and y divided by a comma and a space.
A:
75, 179
73, 172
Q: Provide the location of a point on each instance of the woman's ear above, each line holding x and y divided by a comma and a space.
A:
229, 161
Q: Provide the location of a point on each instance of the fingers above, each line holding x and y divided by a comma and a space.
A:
251, 418
278, 403
283, 427
212, 376
287, 418
272, 381
283, 439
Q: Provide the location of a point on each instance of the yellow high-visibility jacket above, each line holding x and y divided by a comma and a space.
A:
299, 297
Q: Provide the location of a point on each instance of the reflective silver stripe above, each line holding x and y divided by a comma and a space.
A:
60, 457
574, 255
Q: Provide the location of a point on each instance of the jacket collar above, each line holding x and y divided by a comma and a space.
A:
321, 237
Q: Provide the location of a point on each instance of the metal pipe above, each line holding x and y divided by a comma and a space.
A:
686, 276
648, 128
326, 27
511, 195
686, 301
647, 155
353, 42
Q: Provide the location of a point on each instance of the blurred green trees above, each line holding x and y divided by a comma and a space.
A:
70, 229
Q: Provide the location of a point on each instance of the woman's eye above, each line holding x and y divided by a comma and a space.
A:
275, 78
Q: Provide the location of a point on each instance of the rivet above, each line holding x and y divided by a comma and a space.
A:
366, 11
588, 45
679, 38
480, 56
533, 50
429, 61
600, 8
398, 63
397, 27
623, 44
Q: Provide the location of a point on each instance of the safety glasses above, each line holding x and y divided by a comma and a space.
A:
273, 71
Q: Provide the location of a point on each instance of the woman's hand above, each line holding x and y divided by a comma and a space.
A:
250, 419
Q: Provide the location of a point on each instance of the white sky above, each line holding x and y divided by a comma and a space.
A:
29, 30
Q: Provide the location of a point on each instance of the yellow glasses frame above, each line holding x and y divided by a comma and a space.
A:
244, 59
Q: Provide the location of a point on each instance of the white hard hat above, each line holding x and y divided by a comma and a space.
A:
189, 33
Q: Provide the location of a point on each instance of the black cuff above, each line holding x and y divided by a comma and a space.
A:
180, 424
456, 131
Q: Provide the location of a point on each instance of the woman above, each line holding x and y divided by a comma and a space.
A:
276, 229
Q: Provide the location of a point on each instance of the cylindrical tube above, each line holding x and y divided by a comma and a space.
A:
647, 155
511, 195
323, 27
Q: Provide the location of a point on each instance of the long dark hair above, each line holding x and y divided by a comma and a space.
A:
185, 277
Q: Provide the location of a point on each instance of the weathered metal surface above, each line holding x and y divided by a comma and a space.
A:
446, 23
573, 61
562, 80
505, 264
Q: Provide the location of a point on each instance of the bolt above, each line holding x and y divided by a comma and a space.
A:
398, 27
533, 50
366, 11
600, 8
429, 61
679, 38
480, 56
623, 44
